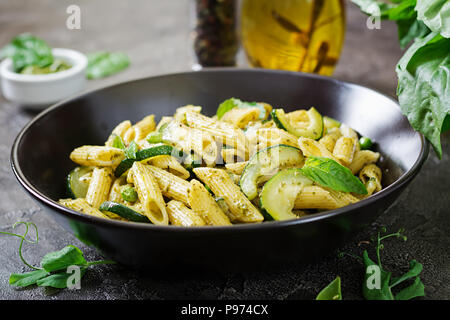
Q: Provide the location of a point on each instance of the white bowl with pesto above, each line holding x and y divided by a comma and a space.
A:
37, 91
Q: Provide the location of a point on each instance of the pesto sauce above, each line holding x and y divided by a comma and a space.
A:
57, 66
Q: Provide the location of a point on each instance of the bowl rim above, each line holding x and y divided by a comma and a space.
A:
405, 178
78, 59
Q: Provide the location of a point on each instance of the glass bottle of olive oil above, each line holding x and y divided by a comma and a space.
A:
294, 35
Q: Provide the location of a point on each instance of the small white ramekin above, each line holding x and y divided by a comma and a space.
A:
40, 90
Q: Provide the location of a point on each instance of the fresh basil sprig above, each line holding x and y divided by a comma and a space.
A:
382, 288
52, 272
423, 77
329, 173
378, 283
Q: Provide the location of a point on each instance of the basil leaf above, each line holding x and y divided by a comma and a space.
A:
58, 280
226, 106
27, 50
58, 260
415, 268
417, 289
423, 88
103, 64
118, 143
409, 29
333, 175
232, 103
435, 14
131, 151
373, 288
331, 291
26, 279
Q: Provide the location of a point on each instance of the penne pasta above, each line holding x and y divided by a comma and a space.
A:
362, 158
345, 149
149, 193
201, 202
119, 130
140, 130
370, 175
99, 187
170, 185
82, 206
97, 156
316, 197
180, 215
223, 186
240, 117
170, 164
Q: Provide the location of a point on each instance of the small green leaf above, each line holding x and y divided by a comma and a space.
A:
118, 143
58, 260
232, 103
333, 175
417, 289
332, 291
131, 151
58, 280
376, 281
26, 279
415, 268
226, 106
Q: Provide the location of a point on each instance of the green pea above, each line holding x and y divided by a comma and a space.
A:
365, 143
129, 194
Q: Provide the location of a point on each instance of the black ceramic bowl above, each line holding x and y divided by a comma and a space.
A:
40, 161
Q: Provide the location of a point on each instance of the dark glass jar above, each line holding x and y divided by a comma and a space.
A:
215, 40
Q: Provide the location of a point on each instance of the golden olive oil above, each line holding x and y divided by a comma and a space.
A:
294, 35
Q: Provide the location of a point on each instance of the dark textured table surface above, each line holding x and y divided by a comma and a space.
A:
155, 34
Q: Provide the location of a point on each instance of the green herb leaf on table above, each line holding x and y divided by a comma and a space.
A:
375, 289
58, 280
329, 173
58, 260
381, 288
332, 291
417, 289
103, 64
26, 279
54, 264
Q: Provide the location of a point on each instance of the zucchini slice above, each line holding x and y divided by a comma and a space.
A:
162, 149
330, 123
78, 182
279, 193
301, 123
265, 164
123, 211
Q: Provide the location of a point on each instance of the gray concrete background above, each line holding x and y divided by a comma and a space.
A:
155, 34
